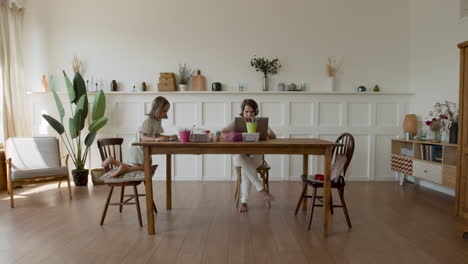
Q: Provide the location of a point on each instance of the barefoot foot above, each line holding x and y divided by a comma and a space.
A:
266, 196
243, 208
107, 162
120, 170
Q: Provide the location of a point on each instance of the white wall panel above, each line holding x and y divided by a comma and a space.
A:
359, 114
274, 112
330, 114
213, 114
383, 158
301, 114
387, 115
185, 114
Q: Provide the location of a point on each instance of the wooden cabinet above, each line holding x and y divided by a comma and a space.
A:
461, 191
425, 160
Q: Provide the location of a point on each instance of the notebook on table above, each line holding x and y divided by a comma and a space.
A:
262, 126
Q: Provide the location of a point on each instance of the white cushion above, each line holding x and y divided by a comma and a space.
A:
33, 153
127, 177
26, 174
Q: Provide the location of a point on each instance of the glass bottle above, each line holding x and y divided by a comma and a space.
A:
143, 87
113, 86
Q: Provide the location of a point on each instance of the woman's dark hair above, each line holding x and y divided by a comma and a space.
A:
251, 103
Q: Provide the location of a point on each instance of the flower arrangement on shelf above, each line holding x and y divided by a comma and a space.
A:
265, 66
441, 116
185, 74
333, 66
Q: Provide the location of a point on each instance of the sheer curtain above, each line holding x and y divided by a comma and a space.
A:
15, 117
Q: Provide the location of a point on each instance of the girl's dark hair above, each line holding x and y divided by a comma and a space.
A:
251, 103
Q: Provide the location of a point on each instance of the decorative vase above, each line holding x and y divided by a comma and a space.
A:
281, 87
436, 137
265, 83
80, 177
331, 84
183, 87
453, 133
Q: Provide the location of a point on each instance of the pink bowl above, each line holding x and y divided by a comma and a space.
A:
232, 137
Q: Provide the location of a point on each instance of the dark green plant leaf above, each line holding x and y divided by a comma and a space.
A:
99, 105
79, 86
70, 90
56, 125
98, 124
59, 105
72, 128
82, 105
90, 138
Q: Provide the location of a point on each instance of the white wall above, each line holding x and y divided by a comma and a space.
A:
435, 32
132, 41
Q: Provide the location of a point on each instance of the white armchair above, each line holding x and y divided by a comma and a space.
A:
34, 160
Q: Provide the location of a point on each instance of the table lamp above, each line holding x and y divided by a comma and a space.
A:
410, 125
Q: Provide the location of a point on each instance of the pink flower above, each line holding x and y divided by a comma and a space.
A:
428, 123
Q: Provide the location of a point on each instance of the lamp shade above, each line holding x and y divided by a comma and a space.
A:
410, 124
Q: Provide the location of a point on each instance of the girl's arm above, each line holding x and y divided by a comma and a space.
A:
157, 137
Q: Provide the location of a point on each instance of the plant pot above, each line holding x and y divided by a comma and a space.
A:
80, 177
183, 87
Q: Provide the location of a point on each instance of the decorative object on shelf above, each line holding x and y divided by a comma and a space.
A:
216, 86
440, 117
361, 89
114, 86
198, 82
241, 87
376, 88
410, 126
45, 86
144, 87
281, 87
303, 87
185, 74
265, 66
333, 66
453, 133
167, 82
292, 87
73, 141
134, 88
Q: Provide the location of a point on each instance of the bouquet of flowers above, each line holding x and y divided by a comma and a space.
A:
442, 115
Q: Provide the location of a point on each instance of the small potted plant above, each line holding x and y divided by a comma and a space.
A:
265, 66
185, 74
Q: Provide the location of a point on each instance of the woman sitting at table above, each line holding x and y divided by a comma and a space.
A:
249, 162
150, 130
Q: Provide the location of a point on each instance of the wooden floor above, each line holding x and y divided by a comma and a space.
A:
391, 224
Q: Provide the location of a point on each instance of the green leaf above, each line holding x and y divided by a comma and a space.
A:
79, 86
90, 138
72, 128
71, 91
82, 106
99, 105
52, 82
79, 122
56, 125
98, 124
59, 104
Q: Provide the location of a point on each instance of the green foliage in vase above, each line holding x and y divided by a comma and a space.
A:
265, 66
77, 95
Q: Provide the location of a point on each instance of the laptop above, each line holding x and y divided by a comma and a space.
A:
262, 126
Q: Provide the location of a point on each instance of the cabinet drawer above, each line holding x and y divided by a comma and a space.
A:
449, 176
427, 171
402, 164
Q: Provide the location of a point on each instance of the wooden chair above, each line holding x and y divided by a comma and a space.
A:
342, 154
113, 147
263, 171
34, 160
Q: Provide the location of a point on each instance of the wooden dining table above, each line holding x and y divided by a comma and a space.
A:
291, 146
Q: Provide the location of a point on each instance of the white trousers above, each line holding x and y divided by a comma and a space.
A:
249, 166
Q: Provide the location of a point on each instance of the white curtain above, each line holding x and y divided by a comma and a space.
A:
14, 105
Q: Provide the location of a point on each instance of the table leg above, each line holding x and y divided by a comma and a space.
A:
149, 190
327, 189
305, 171
168, 182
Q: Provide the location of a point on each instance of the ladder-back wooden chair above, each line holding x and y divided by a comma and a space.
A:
341, 159
263, 172
113, 147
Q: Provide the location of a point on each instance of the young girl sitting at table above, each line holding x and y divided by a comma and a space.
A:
249, 162
150, 130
